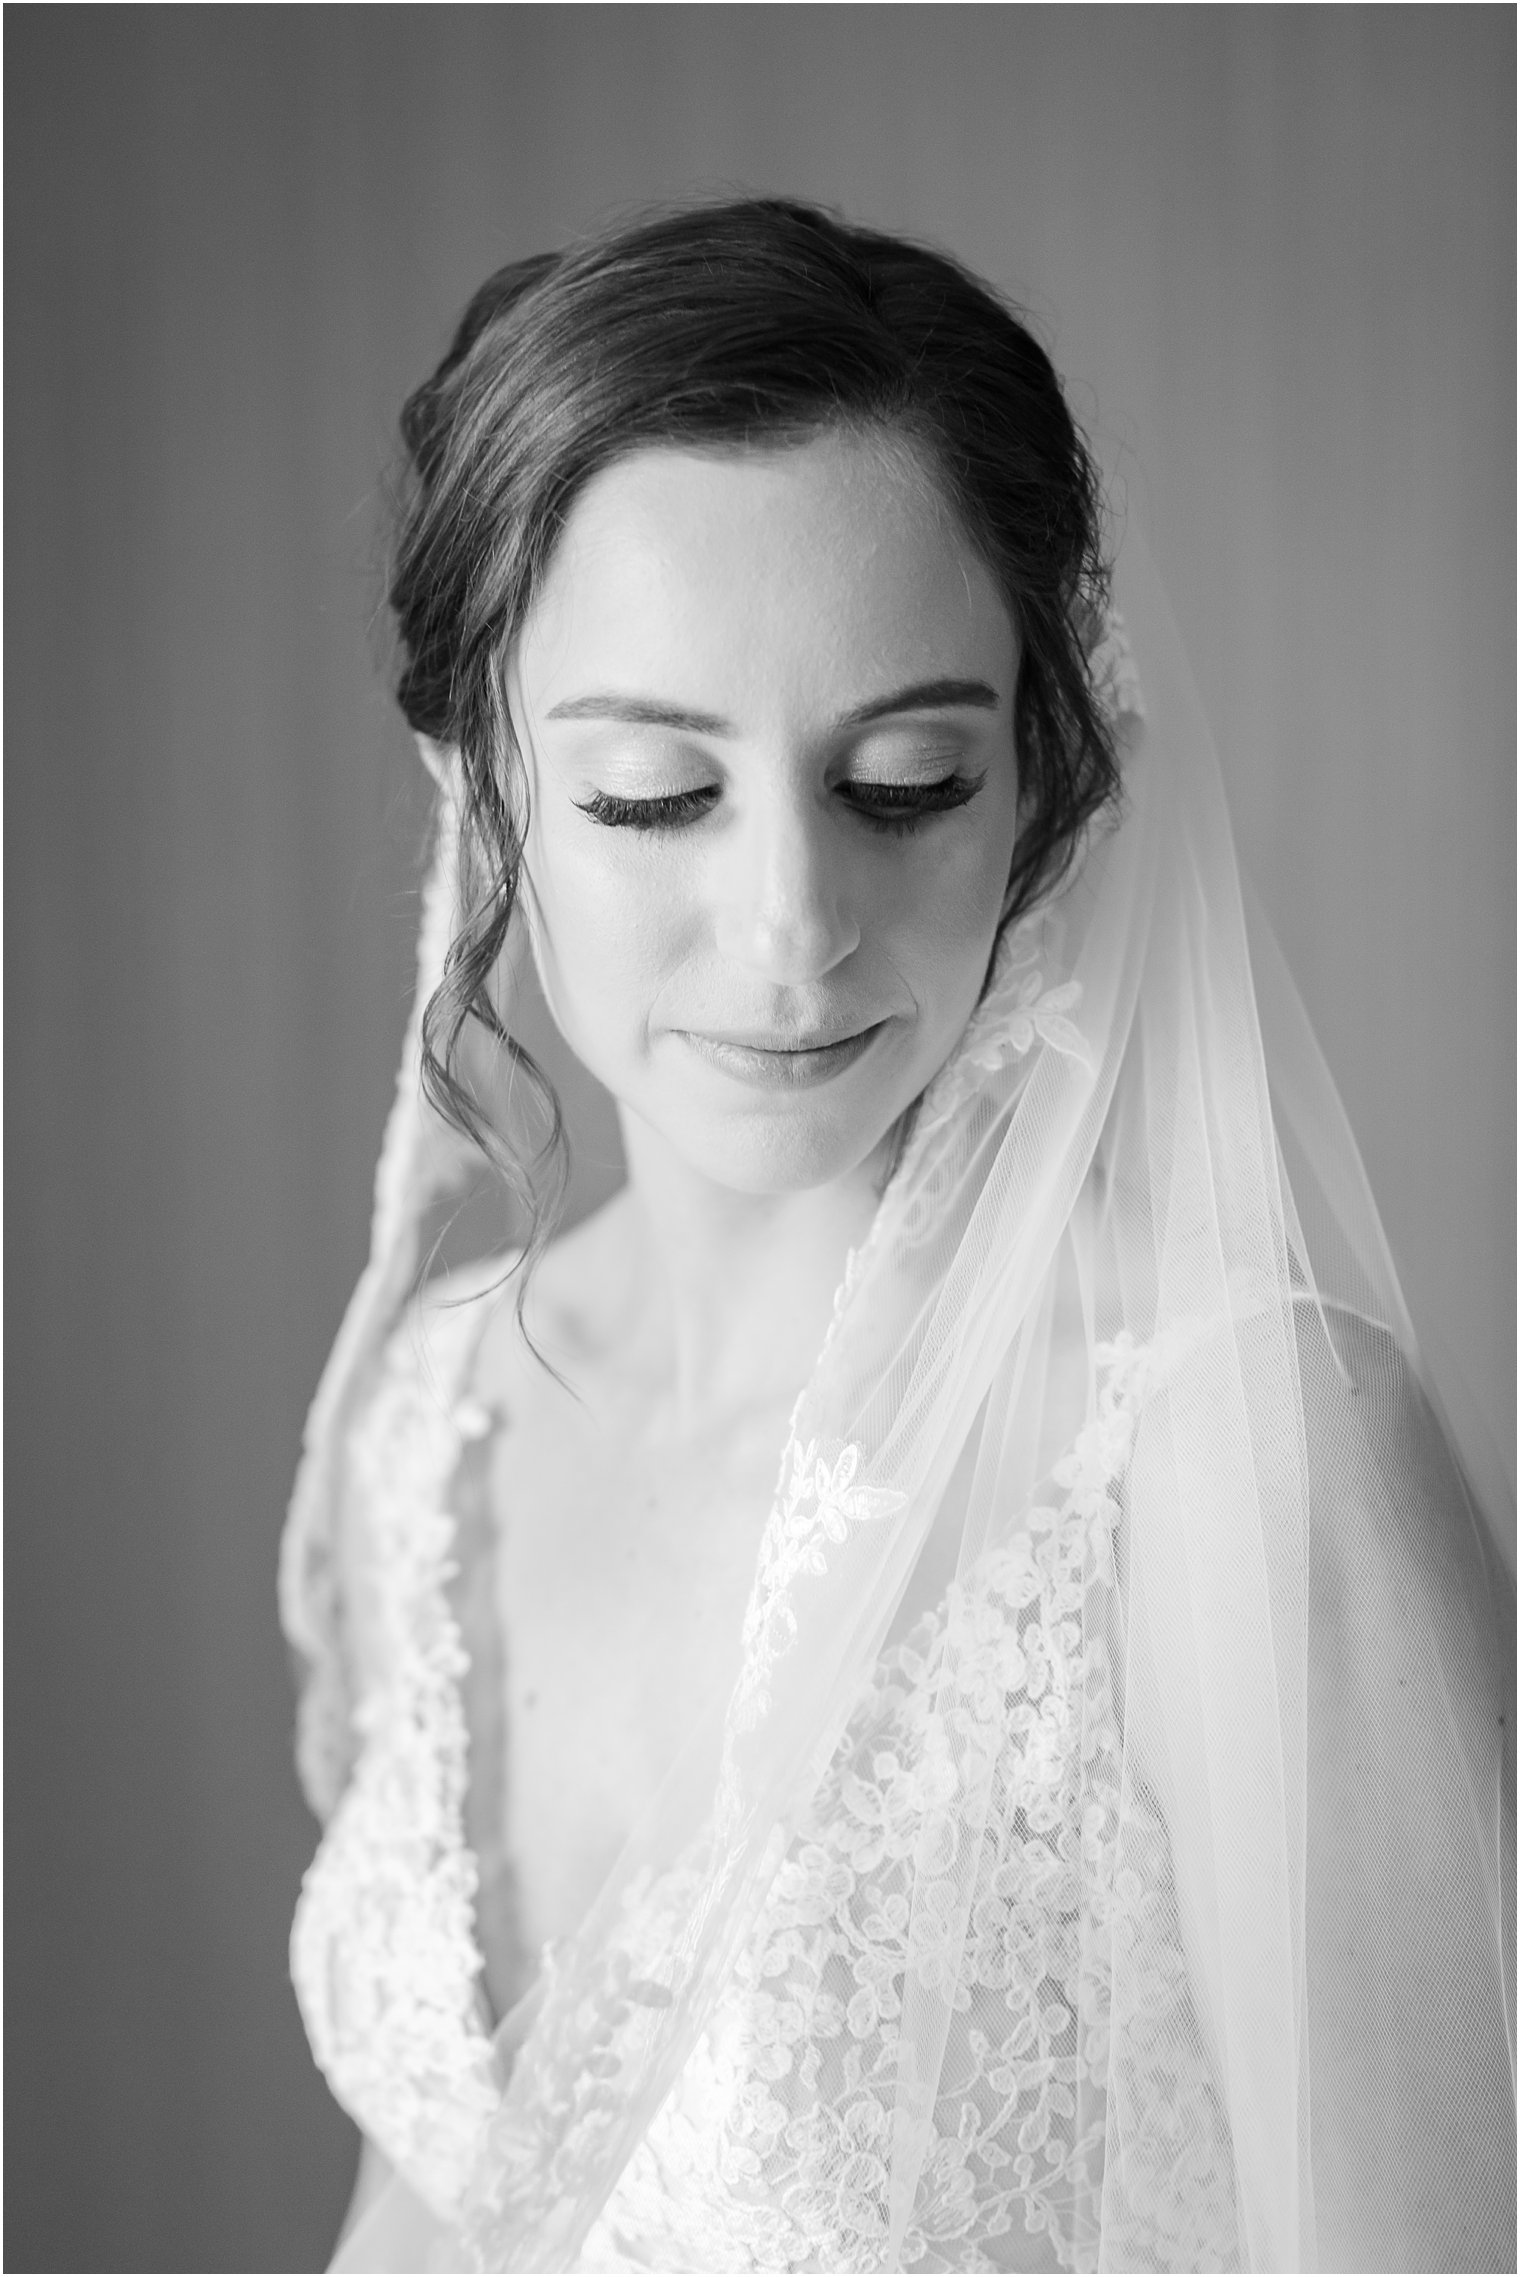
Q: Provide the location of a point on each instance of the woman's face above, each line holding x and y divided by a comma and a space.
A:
765, 701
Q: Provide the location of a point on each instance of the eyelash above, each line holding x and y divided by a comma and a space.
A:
903, 805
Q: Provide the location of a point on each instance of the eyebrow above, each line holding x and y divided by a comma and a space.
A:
645, 711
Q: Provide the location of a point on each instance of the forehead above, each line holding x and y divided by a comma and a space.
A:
828, 568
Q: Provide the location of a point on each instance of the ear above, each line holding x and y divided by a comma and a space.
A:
440, 759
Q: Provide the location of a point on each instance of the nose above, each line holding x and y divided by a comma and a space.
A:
783, 901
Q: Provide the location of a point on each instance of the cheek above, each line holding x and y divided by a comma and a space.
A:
605, 934
942, 915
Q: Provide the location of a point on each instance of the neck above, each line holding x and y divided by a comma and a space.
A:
736, 1290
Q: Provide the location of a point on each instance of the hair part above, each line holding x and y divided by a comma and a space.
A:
751, 323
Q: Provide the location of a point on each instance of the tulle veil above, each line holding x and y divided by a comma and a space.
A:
1128, 1270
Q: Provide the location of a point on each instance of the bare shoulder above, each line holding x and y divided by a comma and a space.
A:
1394, 1521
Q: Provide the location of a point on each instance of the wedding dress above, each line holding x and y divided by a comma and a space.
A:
1138, 1898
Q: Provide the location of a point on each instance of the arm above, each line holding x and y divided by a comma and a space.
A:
1412, 2114
387, 2227
374, 2171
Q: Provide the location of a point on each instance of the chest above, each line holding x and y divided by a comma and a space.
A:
621, 1568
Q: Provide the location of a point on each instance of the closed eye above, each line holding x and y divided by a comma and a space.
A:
668, 812
896, 807
900, 807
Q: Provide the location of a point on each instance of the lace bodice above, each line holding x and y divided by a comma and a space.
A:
766, 2153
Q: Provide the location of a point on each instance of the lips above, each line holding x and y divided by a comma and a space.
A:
761, 1040
781, 1063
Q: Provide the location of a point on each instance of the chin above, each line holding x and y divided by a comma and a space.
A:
787, 1152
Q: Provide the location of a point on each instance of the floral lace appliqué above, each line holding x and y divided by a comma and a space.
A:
818, 1505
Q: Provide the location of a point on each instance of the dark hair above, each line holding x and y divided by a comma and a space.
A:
753, 322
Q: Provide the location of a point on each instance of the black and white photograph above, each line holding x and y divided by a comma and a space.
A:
760, 978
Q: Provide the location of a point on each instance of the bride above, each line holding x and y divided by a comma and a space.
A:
1062, 1821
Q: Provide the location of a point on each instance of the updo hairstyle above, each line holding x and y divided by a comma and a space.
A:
759, 322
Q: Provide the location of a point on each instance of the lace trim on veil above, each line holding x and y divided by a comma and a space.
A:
384, 1955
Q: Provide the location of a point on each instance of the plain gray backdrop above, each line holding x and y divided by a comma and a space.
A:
1273, 250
